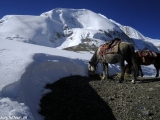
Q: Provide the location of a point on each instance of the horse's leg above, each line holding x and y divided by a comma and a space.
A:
121, 63
157, 70
140, 69
157, 75
104, 73
105, 70
133, 67
136, 68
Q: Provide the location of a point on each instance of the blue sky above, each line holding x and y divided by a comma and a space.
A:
142, 15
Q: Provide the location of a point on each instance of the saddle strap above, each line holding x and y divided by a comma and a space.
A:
108, 49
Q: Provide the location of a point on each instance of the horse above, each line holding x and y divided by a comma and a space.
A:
125, 52
148, 58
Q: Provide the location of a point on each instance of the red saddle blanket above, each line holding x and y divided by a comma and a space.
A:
147, 53
109, 47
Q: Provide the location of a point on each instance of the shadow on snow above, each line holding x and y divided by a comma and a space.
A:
72, 98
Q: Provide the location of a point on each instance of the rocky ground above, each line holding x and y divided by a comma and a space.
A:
82, 98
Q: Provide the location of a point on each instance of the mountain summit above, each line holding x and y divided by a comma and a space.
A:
62, 28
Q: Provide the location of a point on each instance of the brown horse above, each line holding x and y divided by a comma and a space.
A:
125, 51
147, 57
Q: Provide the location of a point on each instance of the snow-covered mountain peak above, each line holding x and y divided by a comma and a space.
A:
81, 18
63, 27
131, 32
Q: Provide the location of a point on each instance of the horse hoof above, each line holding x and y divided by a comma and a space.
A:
142, 75
133, 81
119, 81
102, 79
140, 81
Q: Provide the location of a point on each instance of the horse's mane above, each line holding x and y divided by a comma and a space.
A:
115, 39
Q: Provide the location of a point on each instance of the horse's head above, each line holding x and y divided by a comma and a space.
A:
91, 68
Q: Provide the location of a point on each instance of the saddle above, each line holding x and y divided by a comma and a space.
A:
110, 47
147, 53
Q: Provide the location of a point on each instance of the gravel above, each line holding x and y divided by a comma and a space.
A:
81, 98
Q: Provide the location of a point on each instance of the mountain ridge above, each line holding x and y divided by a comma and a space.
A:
62, 28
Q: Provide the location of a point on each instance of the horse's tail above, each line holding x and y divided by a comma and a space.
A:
134, 60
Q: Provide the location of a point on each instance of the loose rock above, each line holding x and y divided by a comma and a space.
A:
79, 98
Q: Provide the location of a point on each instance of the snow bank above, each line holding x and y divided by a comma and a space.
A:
26, 69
